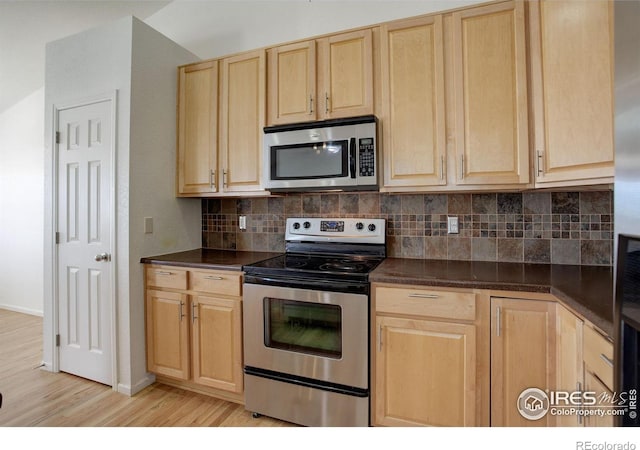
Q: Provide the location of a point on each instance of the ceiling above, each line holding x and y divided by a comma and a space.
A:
207, 28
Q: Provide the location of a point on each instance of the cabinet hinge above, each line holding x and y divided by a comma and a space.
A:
57, 237
57, 340
57, 137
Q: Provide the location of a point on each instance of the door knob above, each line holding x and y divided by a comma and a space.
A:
103, 257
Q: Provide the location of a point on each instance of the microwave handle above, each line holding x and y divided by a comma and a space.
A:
352, 157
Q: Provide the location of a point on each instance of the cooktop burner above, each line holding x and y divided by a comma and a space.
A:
342, 266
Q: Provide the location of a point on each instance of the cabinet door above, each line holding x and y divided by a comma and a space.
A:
413, 102
167, 334
490, 95
569, 360
217, 342
292, 83
346, 68
593, 384
425, 373
197, 128
572, 85
242, 115
522, 356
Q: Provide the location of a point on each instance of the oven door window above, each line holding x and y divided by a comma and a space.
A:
310, 161
303, 327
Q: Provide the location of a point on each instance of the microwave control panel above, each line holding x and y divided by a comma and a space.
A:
366, 157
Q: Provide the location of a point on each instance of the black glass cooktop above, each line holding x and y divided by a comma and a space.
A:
316, 266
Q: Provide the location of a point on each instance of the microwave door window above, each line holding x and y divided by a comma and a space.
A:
308, 161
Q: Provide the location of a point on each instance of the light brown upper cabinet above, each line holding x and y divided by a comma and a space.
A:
242, 118
413, 111
572, 84
221, 114
319, 79
197, 128
489, 87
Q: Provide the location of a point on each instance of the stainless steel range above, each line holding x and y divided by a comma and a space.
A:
306, 323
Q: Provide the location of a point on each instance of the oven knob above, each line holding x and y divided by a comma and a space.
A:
359, 226
372, 227
296, 225
307, 225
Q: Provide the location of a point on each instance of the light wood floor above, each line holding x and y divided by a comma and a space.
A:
35, 397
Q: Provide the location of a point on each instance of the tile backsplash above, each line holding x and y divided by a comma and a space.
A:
536, 227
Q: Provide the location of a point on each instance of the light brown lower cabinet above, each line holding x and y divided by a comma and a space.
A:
216, 340
167, 334
194, 327
430, 358
593, 384
523, 336
570, 364
584, 364
435, 388
598, 376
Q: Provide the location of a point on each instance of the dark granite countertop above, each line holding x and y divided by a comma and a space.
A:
209, 259
587, 290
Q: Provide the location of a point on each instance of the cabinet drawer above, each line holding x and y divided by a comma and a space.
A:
224, 283
166, 277
598, 355
426, 302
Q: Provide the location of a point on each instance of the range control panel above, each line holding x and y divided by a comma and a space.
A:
364, 230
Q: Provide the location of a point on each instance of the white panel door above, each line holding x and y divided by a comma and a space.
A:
84, 251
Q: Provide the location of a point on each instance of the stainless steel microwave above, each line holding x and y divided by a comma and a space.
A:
337, 154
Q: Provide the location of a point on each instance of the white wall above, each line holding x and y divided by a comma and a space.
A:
21, 205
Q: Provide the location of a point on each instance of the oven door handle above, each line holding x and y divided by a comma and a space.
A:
352, 157
306, 283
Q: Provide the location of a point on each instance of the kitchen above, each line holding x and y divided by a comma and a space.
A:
500, 236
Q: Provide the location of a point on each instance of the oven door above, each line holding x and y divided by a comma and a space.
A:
306, 333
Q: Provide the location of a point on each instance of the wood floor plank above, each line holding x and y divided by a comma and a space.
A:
35, 397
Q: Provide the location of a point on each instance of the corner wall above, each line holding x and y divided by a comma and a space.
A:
176, 221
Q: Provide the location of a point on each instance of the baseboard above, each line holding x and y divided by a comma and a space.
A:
31, 312
148, 380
